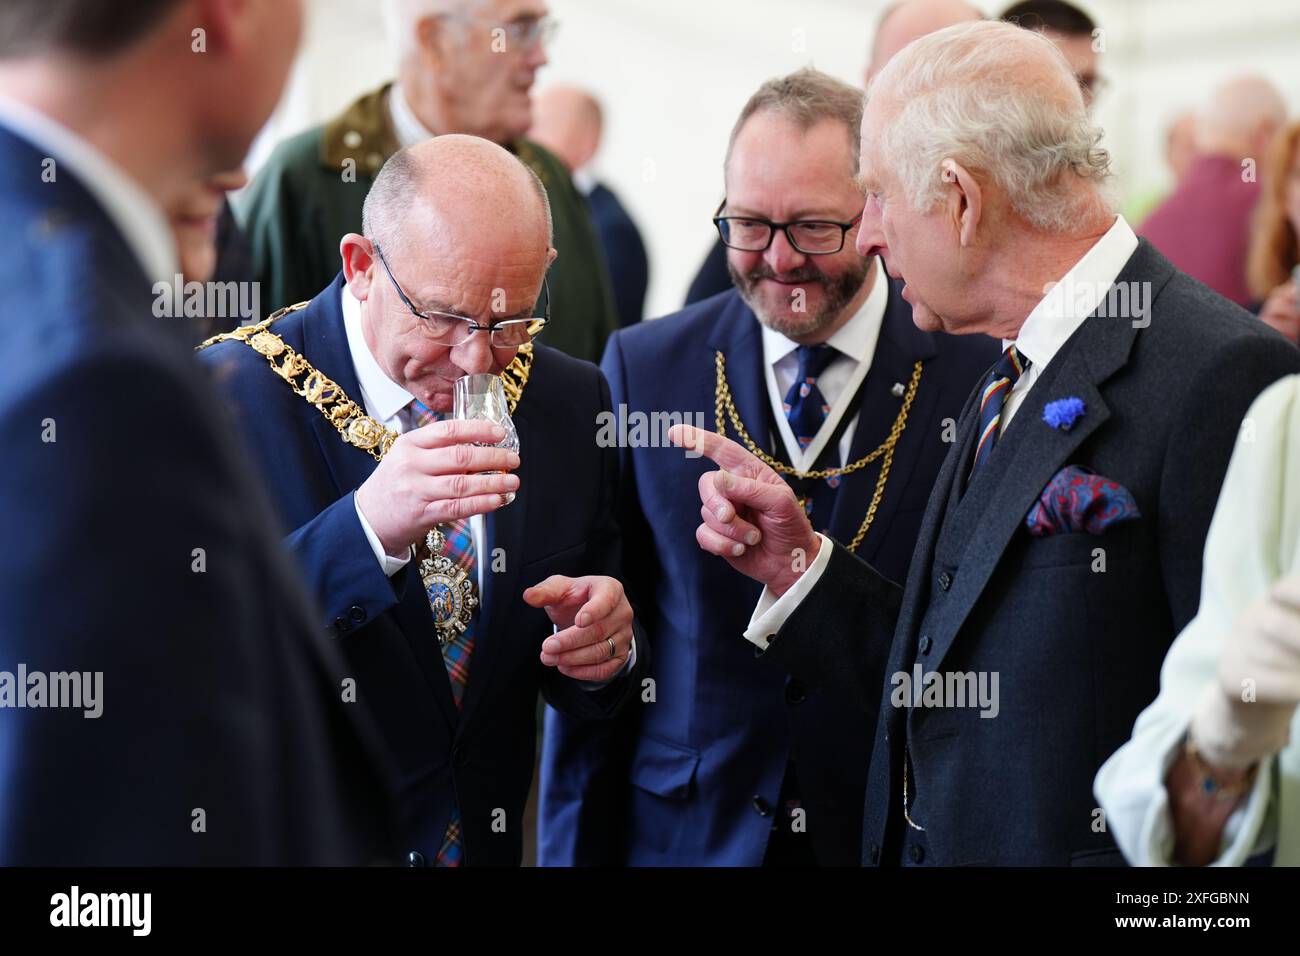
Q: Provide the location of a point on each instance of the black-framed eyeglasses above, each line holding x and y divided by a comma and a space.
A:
812, 237
448, 328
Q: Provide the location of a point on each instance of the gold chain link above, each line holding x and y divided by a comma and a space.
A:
725, 409
348, 418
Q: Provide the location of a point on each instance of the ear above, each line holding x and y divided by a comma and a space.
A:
551, 256
965, 199
432, 39
359, 264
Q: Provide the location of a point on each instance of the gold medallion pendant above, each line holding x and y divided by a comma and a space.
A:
452, 594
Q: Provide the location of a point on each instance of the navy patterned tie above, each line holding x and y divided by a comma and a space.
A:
994, 396
806, 409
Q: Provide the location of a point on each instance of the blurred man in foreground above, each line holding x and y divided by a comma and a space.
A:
143, 558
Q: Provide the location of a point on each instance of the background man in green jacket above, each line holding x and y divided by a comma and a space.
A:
465, 66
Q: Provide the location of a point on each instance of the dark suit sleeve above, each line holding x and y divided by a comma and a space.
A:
839, 636
345, 576
128, 556
1199, 450
604, 557
585, 763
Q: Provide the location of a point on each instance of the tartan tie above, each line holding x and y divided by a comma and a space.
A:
806, 409
997, 386
455, 653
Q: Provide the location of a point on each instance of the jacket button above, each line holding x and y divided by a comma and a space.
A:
916, 852
925, 644
415, 858
762, 807
459, 757
875, 855
945, 580
795, 692
342, 624
357, 614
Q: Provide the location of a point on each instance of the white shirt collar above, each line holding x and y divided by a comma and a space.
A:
410, 131
1076, 296
381, 397
584, 181
856, 338
135, 213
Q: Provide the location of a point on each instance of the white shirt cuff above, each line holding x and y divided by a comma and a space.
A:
772, 612
387, 562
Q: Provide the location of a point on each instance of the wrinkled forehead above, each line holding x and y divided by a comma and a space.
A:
875, 119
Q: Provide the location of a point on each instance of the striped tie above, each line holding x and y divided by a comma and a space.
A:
996, 388
455, 653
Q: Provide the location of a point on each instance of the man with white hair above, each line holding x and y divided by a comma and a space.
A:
464, 66
1204, 225
1060, 550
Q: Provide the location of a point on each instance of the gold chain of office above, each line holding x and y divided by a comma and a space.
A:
725, 408
348, 418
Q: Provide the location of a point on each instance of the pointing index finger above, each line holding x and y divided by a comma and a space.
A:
722, 451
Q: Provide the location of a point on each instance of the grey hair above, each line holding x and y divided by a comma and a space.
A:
959, 95
401, 16
807, 97
387, 204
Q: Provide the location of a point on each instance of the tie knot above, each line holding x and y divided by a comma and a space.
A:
1011, 366
813, 360
419, 414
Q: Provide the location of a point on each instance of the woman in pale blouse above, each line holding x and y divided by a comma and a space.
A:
1212, 772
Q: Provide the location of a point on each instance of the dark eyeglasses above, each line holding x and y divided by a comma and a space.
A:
812, 237
447, 328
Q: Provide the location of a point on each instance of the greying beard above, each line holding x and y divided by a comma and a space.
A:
839, 293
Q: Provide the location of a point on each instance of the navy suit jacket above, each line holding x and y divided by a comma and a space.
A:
141, 547
692, 777
1073, 625
561, 522
629, 269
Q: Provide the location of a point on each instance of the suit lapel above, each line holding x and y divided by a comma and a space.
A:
325, 346
977, 529
899, 347
738, 337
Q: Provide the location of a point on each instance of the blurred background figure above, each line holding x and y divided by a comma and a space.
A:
1180, 148
1073, 31
1271, 268
899, 25
463, 66
1204, 226
569, 122
211, 246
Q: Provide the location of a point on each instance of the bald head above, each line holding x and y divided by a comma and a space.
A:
568, 122
909, 20
1241, 118
459, 190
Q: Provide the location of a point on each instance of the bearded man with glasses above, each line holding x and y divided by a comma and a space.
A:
453, 603
463, 66
813, 361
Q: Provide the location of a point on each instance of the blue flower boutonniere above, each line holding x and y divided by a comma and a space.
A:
1064, 412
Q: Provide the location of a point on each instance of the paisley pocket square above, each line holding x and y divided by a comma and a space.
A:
1077, 499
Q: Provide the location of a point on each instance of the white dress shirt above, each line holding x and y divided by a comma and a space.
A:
410, 131
854, 344
1048, 326
130, 208
383, 399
